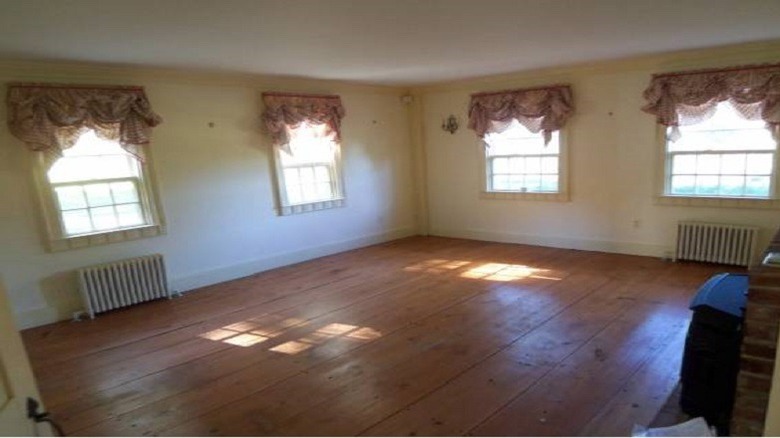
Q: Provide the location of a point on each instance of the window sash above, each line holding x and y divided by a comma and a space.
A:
669, 173
336, 183
490, 173
312, 185
143, 203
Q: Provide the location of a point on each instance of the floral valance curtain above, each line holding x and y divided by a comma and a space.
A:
544, 109
51, 118
285, 112
686, 98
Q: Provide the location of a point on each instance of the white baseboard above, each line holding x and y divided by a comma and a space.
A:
37, 317
183, 283
224, 273
631, 248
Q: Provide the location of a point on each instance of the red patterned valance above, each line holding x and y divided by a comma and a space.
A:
284, 112
543, 109
51, 118
686, 98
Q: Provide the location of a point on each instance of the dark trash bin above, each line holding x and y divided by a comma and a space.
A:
711, 358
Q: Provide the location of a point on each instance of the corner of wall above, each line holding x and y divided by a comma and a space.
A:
419, 159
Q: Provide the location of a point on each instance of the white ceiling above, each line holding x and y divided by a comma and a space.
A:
395, 42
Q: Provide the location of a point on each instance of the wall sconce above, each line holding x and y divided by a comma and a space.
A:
450, 124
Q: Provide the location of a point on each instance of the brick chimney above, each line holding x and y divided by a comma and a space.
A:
757, 358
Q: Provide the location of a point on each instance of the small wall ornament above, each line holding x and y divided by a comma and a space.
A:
450, 124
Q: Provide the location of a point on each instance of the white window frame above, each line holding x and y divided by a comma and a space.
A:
562, 195
285, 208
56, 237
664, 174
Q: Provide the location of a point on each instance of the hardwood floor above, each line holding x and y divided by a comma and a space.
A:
420, 336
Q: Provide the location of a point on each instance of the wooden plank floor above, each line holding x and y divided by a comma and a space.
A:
420, 336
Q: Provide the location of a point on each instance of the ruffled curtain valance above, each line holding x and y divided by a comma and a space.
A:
51, 118
686, 98
285, 112
544, 109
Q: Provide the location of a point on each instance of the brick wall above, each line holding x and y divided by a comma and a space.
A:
757, 360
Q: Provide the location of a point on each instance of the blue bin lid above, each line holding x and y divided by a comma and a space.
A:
725, 292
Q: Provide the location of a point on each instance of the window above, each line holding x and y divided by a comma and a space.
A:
517, 162
96, 188
725, 156
309, 171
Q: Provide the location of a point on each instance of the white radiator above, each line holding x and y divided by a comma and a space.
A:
716, 243
123, 283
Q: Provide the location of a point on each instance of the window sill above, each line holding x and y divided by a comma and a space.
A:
88, 240
718, 202
288, 210
528, 196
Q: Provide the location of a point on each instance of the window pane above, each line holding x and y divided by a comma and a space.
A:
76, 222
71, 197
291, 177
533, 183
500, 165
515, 182
520, 158
294, 194
117, 166
308, 145
759, 164
550, 165
724, 173
517, 139
307, 175
708, 164
732, 185
517, 165
129, 215
706, 185
683, 185
124, 192
725, 130
757, 186
95, 185
501, 182
103, 218
684, 164
309, 192
98, 195
322, 174
324, 191
550, 183
733, 164
92, 158
731, 140
533, 165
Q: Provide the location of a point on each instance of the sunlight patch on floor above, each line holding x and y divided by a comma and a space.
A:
365, 334
292, 347
323, 334
506, 272
246, 340
251, 331
436, 266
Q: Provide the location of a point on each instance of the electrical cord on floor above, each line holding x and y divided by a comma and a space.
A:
41, 417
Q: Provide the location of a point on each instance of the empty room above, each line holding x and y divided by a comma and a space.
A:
389, 217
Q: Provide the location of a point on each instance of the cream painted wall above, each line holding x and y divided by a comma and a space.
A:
402, 174
613, 159
214, 184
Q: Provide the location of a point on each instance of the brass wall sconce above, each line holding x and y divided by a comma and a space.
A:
450, 124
